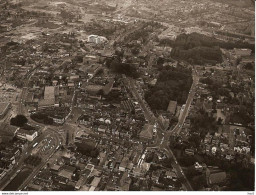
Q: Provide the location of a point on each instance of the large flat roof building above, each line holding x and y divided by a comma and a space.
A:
49, 100
49, 92
45, 103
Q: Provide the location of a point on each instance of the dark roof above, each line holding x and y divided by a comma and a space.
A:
69, 168
7, 130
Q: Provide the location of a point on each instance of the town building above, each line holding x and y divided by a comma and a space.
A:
242, 52
96, 39
172, 107
147, 132
29, 135
7, 132
49, 100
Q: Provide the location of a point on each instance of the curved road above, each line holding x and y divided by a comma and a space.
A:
162, 141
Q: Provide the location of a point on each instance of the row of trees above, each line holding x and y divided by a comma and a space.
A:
33, 160
19, 120
42, 118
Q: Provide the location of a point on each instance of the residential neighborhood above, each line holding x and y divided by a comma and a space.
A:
131, 95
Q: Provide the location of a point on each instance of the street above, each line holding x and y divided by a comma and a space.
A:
45, 133
162, 138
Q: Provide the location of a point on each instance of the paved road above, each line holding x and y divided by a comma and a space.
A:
44, 161
10, 175
184, 113
6, 180
25, 89
162, 140
149, 115
19, 164
72, 103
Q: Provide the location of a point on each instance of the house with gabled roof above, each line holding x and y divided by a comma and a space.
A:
147, 132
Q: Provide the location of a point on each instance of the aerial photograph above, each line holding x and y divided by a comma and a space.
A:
127, 95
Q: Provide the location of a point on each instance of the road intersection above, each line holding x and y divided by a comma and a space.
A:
162, 138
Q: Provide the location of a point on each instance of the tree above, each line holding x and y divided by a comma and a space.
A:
194, 140
187, 161
48, 121
219, 122
149, 157
249, 66
33, 160
19, 120
202, 123
199, 182
167, 162
191, 172
87, 150
100, 92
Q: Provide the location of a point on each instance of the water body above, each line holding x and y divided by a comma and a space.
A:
18, 180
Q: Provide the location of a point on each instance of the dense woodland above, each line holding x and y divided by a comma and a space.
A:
200, 49
117, 66
172, 84
87, 149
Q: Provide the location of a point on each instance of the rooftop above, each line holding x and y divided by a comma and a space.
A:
147, 131
46, 102
172, 106
49, 92
27, 132
7, 130
65, 173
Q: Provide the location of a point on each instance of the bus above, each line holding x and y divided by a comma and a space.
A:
35, 144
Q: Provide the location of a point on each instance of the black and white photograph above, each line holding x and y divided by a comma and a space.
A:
127, 95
